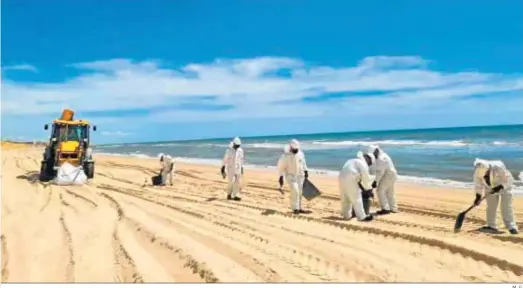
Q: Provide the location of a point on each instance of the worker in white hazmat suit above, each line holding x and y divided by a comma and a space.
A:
232, 168
355, 187
293, 167
167, 171
386, 176
494, 178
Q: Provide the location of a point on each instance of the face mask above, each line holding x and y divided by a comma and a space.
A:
294, 151
235, 146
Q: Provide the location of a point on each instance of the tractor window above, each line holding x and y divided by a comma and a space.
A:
74, 133
61, 132
69, 133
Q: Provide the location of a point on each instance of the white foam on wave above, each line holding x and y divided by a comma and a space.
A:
401, 178
456, 143
266, 145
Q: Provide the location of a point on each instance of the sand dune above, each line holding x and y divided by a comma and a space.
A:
114, 229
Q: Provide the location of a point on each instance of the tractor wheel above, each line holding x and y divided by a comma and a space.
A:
89, 169
44, 172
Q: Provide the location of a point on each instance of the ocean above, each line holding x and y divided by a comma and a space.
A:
431, 156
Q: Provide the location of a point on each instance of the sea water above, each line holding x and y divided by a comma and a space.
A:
433, 156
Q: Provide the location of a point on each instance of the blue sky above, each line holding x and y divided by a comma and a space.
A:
160, 70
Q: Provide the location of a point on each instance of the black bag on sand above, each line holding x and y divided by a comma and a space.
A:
366, 207
309, 190
157, 180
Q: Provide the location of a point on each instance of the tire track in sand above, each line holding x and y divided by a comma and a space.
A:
5, 259
91, 221
221, 267
215, 266
69, 276
306, 261
126, 268
169, 257
314, 264
446, 274
251, 251
478, 256
36, 238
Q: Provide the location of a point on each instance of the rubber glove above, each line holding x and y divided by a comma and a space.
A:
497, 189
223, 172
280, 181
306, 174
374, 184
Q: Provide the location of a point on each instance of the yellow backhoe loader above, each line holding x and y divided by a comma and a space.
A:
69, 142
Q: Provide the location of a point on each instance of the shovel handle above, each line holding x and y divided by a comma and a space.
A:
480, 200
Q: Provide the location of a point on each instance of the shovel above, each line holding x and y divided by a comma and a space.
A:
461, 216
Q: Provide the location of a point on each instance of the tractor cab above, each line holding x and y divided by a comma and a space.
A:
69, 139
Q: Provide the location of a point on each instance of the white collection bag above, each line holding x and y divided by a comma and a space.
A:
70, 175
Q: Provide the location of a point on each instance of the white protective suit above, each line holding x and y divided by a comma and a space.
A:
386, 176
233, 162
167, 171
353, 172
292, 167
499, 175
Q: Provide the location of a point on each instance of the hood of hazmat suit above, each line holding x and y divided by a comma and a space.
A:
294, 144
480, 168
373, 148
236, 141
361, 155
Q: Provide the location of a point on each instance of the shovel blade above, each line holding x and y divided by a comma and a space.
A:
459, 222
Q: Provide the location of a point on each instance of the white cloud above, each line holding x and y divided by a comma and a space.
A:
264, 87
25, 67
117, 133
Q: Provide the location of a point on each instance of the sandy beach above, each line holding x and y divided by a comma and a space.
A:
116, 230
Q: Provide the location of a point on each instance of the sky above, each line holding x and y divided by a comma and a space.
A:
171, 70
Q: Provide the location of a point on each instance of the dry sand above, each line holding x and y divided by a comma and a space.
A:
113, 229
